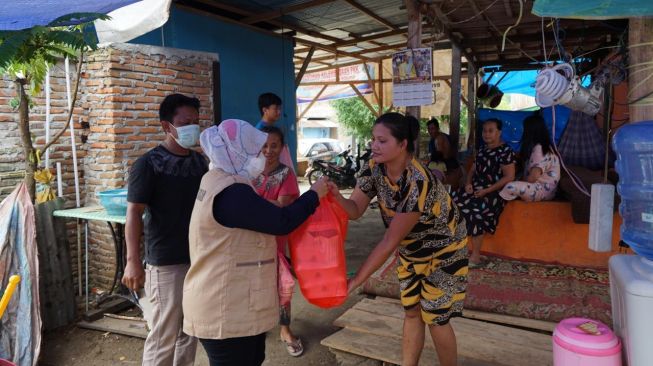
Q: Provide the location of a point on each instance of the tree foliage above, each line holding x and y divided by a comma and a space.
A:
27, 54
355, 116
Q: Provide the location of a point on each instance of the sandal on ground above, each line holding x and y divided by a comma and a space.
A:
473, 265
294, 348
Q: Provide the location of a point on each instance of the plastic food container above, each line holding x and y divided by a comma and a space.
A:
585, 342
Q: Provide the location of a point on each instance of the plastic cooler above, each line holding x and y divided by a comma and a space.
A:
631, 290
573, 346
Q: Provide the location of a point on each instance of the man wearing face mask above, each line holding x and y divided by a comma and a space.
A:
163, 184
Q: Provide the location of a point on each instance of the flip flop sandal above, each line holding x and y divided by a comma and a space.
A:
295, 348
478, 265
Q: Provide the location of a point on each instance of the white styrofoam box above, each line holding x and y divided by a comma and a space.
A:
601, 217
631, 290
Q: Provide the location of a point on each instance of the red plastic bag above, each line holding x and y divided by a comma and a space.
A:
317, 252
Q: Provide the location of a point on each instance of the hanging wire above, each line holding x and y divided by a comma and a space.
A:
521, 11
477, 14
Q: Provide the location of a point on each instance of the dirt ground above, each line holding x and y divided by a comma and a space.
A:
80, 347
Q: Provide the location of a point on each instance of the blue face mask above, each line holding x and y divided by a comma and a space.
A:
187, 136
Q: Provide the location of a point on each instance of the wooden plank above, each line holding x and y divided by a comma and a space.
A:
476, 340
119, 326
510, 320
312, 102
392, 307
113, 306
307, 60
367, 104
383, 348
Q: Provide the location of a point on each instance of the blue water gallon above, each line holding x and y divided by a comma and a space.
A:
633, 144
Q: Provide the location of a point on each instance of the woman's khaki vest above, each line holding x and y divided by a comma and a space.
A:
231, 287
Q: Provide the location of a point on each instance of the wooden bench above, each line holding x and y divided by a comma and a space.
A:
372, 331
545, 232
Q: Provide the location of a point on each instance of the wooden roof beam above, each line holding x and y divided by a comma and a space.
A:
506, 5
446, 26
371, 37
490, 29
274, 14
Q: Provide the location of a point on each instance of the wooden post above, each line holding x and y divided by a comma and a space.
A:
362, 98
380, 87
454, 108
312, 102
641, 31
302, 71
471, 104
414, 41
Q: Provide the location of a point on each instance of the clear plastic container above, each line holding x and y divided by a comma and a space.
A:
633, 144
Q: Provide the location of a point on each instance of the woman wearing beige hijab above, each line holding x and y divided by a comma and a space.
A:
230, 292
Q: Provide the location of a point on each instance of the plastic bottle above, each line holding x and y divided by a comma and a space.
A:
633, 144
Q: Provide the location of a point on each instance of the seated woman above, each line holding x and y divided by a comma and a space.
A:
443, 155
278, 184
541, 165
230, 292
479, 200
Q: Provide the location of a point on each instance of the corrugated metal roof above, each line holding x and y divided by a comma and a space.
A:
477, 25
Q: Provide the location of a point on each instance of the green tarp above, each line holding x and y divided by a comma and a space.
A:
593, 9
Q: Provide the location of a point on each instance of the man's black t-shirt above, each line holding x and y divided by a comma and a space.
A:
168, 185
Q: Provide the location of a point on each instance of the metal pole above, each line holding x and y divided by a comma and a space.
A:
86, 258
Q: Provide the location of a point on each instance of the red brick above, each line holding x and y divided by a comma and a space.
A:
155, 93
165, 87
136, 138
147, 115
185, 75
165, 72
120, 131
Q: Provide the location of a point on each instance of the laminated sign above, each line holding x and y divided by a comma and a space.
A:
412, 73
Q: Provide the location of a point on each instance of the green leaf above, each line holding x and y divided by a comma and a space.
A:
11, 46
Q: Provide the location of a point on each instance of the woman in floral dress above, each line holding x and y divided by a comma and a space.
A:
541, 165
479, 201
278, 184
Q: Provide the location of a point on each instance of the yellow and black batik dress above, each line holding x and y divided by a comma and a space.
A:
433, 257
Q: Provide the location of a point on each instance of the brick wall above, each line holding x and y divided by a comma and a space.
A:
122, 86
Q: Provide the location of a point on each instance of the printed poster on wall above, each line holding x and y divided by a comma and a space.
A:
412, 73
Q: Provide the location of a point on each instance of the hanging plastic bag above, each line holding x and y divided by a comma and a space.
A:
43, 179
286, 282
318, 254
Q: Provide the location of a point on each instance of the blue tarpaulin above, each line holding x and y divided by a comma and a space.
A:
23, 14
513, 122
518, 82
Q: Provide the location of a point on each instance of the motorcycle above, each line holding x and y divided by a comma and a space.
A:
343, 175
